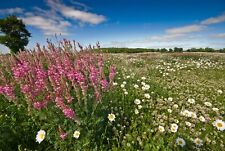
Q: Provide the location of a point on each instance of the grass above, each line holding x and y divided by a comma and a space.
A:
174, 79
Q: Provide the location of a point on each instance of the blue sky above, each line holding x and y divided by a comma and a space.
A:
123, 23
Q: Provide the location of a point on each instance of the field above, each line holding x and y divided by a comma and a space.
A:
145, 101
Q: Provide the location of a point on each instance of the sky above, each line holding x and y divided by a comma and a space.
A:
122, 23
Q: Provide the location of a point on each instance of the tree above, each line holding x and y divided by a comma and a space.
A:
13, 33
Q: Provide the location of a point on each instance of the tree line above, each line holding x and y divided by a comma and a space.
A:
164, 50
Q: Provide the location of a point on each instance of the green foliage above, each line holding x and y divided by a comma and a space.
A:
164, 50
15, 35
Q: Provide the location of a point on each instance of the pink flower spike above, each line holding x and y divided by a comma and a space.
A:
38, 105
69, 113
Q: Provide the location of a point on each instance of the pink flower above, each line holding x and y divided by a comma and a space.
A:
69, 113
63, 135
38, 105
112, 73
104, 84
25, 88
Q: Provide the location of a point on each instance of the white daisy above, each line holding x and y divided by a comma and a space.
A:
192, 101
220, 91
40, 136
198, 142
76, 134
170, 99
111, 117
161, 129
180, 141
219, 124
188, 124
208, 104
169, 110
201, 118
215, 109
139, 107
136, 86
136, 111
147, 95
174, 128
137, 101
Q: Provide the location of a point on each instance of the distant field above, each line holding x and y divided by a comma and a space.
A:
161, 101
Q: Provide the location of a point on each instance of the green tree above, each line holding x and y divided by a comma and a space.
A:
13, 33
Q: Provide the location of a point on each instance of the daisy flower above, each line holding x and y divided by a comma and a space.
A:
174, 128
180, 141
161, 129
111, 117
198, 142
219, 124
192, 101
40, 136
137, 101
76, 134
170, 99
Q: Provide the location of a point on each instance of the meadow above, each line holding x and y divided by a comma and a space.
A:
57, 98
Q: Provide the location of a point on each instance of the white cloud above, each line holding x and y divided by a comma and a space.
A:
4, 49
10, 11
214, 20
76, 14
47, 25
221, 35
166, 38
185, 29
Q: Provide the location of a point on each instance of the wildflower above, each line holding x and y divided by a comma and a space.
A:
192, 101
104, 84
174, 128
124, 82
208, 104
201, 118
139, 107
143, 78
122, 85
137, 101
175, 106
219, 124
186, 113
40, 136
112, 73
169, 110
136, 86
170, 99
76, 134
147, 95
136, 111
114, 83
180, 141
220, 91
125, 92
161, 129
111, 117
215, 109
69, 113
193, 115
198, 142
188, 124
63, 135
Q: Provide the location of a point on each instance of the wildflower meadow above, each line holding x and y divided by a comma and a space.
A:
68, 97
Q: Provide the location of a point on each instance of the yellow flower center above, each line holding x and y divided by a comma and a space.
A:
180, 142
197, 141
219, 125
42, 136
